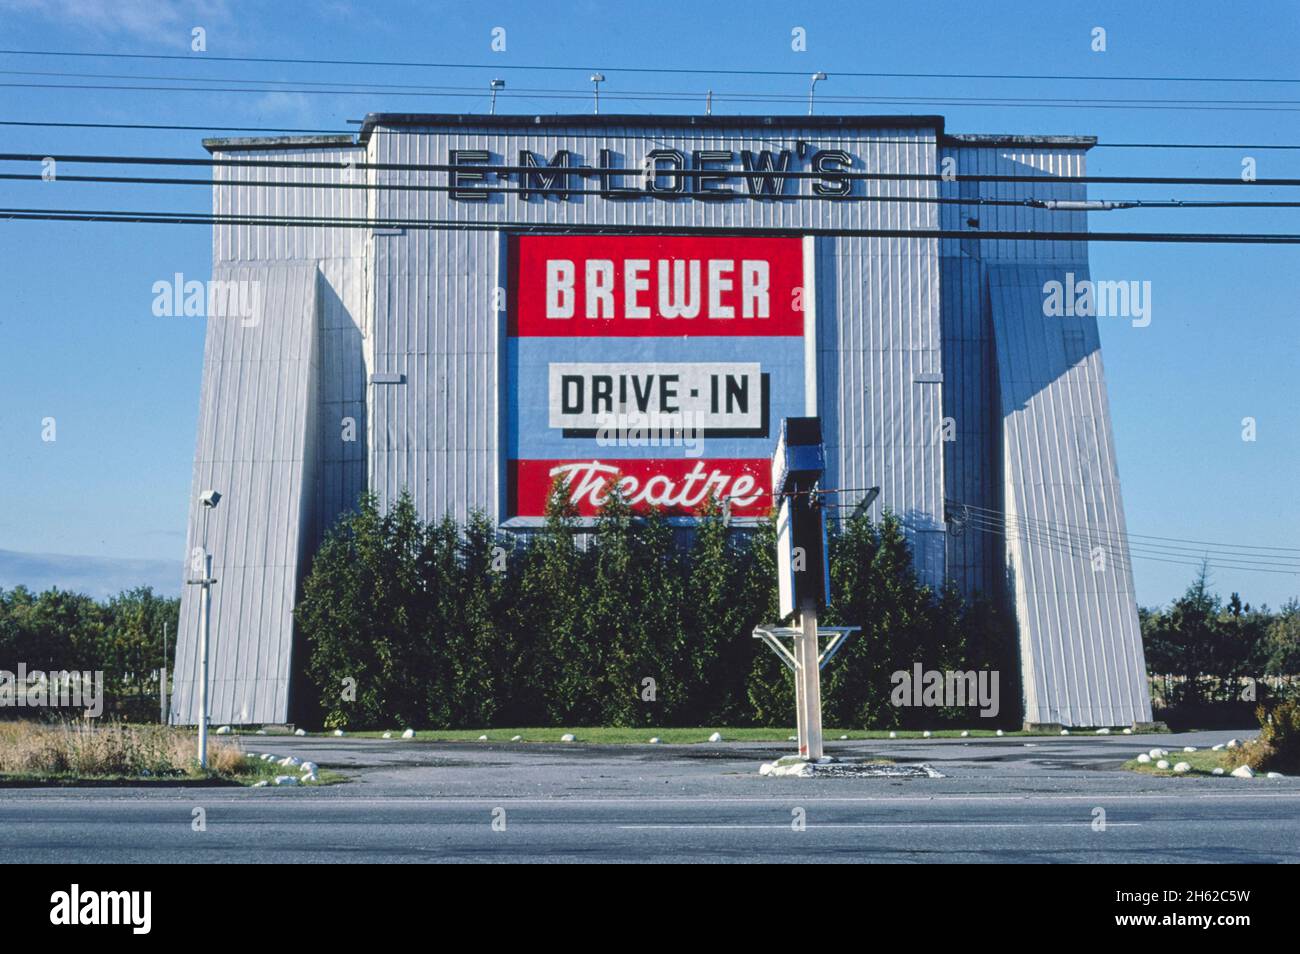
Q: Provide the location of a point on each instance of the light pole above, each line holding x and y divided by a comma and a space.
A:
496, 84
597, 78
812, 88
209, 500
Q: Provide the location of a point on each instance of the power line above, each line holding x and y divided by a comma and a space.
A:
697, 71
1236, 106
174, 127
1079, 545
567, 192
1078, 550
192, 218
1203, 543
682, 173
1084, 544
407, 89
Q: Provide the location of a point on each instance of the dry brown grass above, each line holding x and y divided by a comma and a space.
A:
108, 750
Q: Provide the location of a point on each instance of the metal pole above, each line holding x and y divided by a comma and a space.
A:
206, 604
162, 681
809, 689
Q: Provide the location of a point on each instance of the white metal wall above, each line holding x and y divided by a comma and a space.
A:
270, 433
907, 333
1034, 447
878, 321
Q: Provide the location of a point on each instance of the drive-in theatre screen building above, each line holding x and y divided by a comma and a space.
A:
644, 299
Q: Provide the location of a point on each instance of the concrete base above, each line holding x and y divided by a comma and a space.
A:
794, 767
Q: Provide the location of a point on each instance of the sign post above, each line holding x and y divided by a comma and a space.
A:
803, 572
808, 686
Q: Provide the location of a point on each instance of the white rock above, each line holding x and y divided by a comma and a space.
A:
1189, 748
260, 732
338, 733
1128, 731
716, 737
516, 738
299, 732
387, 735
925, 734
1217, 748
251, 755
1243, 771
286, 780
223, 730
795, 769
1275, 775
843, 738
892, 735
310, 768
262, 784
1103, 731
1233, 743
1217, 771
1183, 767
965, 734
267, 756
568, 737
408, 734
482, 738
310, 778
793, 738
654, 740
999, 733
1162, 764
287, 761
1144, 758
1156, 753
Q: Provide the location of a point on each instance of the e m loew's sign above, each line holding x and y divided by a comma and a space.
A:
659, 362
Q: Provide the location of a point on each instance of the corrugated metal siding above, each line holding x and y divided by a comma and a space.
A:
255, 446
878, 311
972, 461
270, 426
1081, 648
905, 337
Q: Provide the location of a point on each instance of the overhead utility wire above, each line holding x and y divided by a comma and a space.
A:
711, 71
630, 172
1085, 543
1198, 543
175, 127
1078, 550
187, 218
1278, 106
706, 194
581, 94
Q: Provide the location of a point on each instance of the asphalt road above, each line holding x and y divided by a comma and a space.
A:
1003, 800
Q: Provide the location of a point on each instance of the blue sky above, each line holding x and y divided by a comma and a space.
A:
79, 343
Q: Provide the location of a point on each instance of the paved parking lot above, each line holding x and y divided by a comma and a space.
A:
1007, 800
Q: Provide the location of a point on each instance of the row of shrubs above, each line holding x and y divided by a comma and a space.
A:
444, 624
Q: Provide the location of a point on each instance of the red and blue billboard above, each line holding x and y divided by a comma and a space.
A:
663, 363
